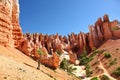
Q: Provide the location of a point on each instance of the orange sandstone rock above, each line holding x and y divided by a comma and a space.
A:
10, 30
107, 32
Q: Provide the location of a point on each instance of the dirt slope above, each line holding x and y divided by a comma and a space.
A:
111, 47
14, 65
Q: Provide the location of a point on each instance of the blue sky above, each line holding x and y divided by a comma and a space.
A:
64, 16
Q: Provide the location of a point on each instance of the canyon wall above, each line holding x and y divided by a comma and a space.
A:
10, 30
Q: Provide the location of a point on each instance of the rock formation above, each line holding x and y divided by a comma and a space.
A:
75, 44
10, 30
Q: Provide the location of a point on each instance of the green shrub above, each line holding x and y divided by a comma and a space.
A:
95, 78
104, 77
84, 59
70, 69
95, 52
107, 55
64, 64
88, 71
117, 71
40, 52
112, 62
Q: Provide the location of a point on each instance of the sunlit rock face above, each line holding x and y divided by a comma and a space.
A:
10, 31
102, 31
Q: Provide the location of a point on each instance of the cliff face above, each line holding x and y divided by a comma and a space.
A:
101, 31
10, 31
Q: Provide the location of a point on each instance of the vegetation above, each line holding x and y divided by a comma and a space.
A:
104, 77
95, 63
40, 53
64, 64
70, 69
88, 71
112, 62
115, 28
107, 55
58, 52
84, 59
117, 72
95, 52
95, 78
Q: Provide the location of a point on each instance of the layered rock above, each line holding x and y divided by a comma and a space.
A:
115, 28
52, 62
81, 43
9, 23
16, 32
107, 32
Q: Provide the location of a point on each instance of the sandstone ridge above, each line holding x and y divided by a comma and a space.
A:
10, 30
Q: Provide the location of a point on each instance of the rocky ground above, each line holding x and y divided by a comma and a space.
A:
12, 70
14, 65
107, 65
